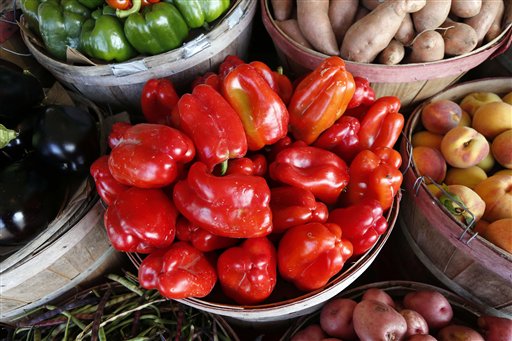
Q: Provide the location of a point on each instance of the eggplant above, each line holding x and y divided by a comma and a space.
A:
66, 139
15, 143
30, 199
19, 92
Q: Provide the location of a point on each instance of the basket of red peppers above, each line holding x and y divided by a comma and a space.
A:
254, 196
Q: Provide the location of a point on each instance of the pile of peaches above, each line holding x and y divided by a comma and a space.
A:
464, 153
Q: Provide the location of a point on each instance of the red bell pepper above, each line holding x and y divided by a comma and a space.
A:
382, 124
158, 100
255, 164
216, 129
178, 272
263, 113
235, 205
374, 175
210, 78
341, 138
200, 238
107, 187
309, 255
363, 94
141, 220
361, 223
116, 133
318, 170
229, 64
293, 206
150, 155
320, 99
248, 273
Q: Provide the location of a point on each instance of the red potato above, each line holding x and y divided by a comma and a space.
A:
406, 32
484, 19
341, 15
331, 339
421, 337
428, 46
374, 320
313, 332
456, 332
393, 54
416, 324
495, 328
378, 294
282, 9
465, 8
459, 38
336, 318
291, 28
432, 305
496, 28
313, 19
368, 36
433, 14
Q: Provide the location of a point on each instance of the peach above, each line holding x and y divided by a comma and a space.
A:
501, 149
472, 101
440, 116
469, 177
491, 119
465, 119
487, 164
499, 233
475, 206
427, 139
429, 163
496, 191
504, 171
464, 147
507, 98
481, 226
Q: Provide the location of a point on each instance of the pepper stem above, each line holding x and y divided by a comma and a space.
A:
223, 167
126, 12
280, 70
6, 135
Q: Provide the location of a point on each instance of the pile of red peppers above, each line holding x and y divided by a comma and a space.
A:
249, 179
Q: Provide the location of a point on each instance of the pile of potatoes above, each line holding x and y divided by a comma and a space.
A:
392, 31
421, 315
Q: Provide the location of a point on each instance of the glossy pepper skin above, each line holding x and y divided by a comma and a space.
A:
382, 124
214, 126
150, 155
363, 93
319, 99
374, 175
255, 164
157, 28
103, 38
197, 13
341, 138
318, 170
200, 238
210, 78
60, 25
177, 272
263, 113
309, 255
116, 133
158, 99
248, 273
107, 187
141, 220
362, 223
293, 206
235, 205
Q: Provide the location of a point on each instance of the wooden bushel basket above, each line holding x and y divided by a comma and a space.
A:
463, 261
120, 85
412, 83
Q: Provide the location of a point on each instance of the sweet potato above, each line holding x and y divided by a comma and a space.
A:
341, 15
313, 19
282, 9
361, 12
367, 37
291, 28
393, 54
459, 38
406, 32
371, 4
465, 8
496, 27
484, 19
432, 15
507, 16
428, 46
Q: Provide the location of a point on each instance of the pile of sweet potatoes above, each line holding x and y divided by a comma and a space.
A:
392, 31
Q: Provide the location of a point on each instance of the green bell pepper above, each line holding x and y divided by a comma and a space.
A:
60, 23
29, 9
156, 29
92, 4
199, 12
103, 38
